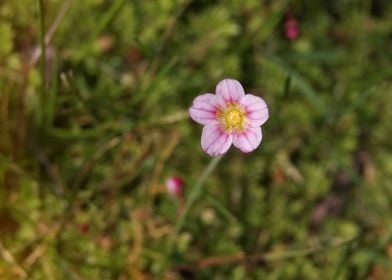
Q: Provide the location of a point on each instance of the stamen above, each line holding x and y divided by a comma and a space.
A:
232, 118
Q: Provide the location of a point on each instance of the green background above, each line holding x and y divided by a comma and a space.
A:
89, 134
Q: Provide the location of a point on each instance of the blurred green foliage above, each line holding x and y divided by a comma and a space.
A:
85, 148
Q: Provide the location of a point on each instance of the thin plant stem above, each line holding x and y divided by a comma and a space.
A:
43, 48
193, 196
51, 31
343, 261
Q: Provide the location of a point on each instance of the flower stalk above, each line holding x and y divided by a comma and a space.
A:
193, 196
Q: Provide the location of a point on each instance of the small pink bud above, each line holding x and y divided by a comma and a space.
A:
174, 185
291, 28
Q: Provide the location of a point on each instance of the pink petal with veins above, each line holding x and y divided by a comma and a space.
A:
214, 140
248, 140
230, 90
256, 110
204, 108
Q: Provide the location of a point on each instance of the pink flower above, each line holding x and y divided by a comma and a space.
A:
174, 185
291, 28
229, 117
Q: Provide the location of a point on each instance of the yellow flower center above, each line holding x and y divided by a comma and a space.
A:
232, 118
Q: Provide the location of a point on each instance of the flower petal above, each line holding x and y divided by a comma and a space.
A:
204, 108
256, 110
248, 140
230, 90
214, 140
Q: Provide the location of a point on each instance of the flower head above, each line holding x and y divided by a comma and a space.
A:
229, 117
174, 185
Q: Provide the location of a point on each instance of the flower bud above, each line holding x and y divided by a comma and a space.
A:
174, 185
291, 28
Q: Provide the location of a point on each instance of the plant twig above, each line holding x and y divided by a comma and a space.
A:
267, 257
9, 258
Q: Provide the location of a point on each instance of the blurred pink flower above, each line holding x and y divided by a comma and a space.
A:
229, 117
291, 28
174, 185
